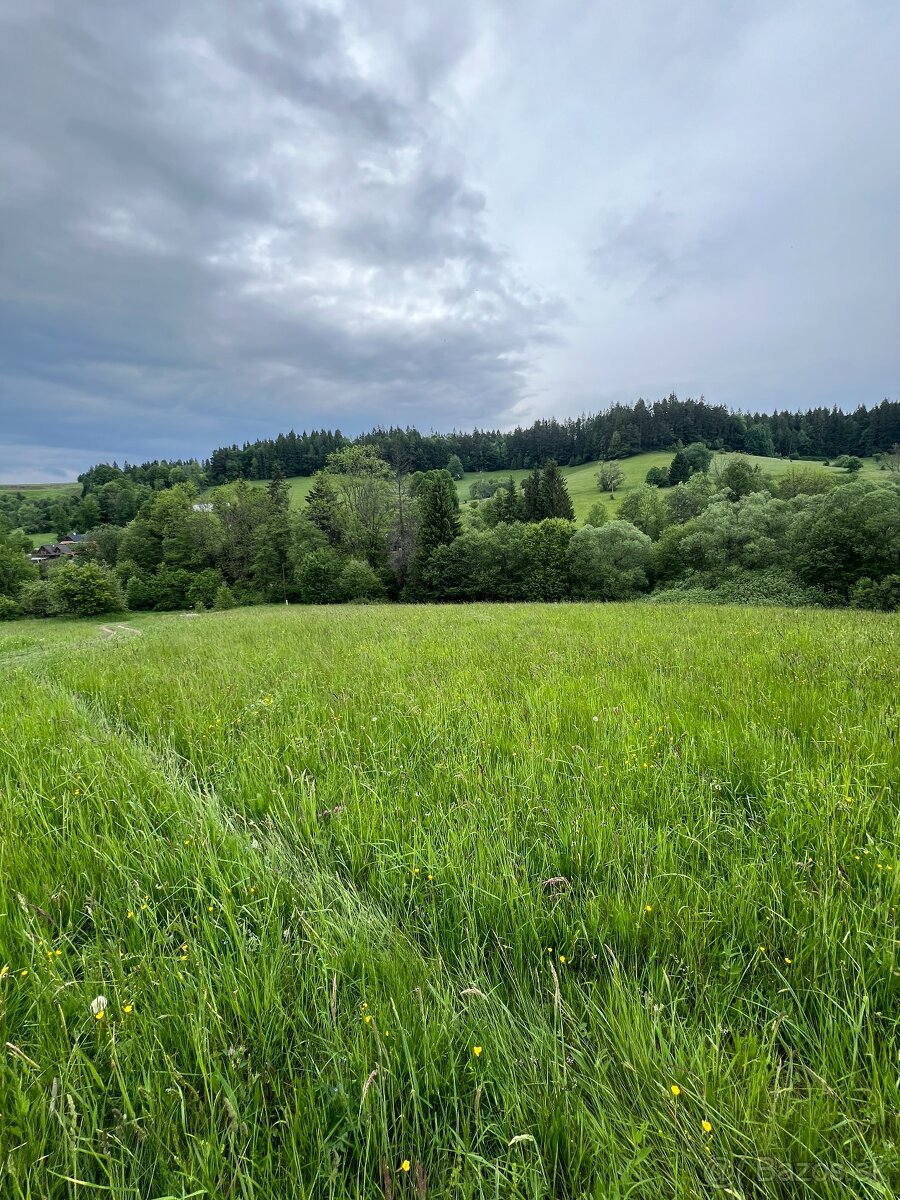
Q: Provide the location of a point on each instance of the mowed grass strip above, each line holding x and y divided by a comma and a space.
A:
518, 901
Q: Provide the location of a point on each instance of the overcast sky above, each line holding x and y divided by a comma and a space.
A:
222, 220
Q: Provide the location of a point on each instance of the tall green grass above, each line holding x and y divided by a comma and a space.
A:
535, 901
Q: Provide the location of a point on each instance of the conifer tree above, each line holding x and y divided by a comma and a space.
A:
531, 491
438, 511
324, 509
554, 495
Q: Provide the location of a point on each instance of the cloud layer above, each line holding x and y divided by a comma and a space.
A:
224, 220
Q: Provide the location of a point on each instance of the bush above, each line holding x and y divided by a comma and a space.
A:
847, 535
609, 563
203, 587
359, 582
759, 588
317, 577
85, 590
884, 595
598, 514
657, 477
140, 594
9, 609
223, 599
36, 599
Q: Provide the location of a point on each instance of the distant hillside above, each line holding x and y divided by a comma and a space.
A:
582, 481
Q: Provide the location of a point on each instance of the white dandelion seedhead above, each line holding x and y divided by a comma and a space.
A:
98, 1005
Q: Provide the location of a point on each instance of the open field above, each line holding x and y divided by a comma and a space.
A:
43, 491
582, 481
533, 901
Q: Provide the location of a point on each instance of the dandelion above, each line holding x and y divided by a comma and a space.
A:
706, 1126
98, 1007
675, 1090
476, 1050
404, 1166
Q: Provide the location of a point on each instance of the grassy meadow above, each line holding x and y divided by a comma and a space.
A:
582, 481
526, 901
43, 491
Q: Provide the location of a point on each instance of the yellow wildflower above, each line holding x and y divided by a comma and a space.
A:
404, 1166
675, 1089
706, 1126
476, 1050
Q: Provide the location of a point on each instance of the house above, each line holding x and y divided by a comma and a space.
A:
53, 551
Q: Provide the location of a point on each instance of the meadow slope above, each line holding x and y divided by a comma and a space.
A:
533, 901
582, 481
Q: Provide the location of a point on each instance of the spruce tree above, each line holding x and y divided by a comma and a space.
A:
531, 491
679, 469
438, 511
508, 504
554, 495
324, 509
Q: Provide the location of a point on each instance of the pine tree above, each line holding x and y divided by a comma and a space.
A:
554, 495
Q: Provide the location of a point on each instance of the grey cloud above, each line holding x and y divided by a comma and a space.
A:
221, 220
226, 223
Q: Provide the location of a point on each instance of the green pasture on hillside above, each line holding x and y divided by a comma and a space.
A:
511, 901
582, 481
43, 491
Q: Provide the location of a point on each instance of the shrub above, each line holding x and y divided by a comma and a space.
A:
359, 582
317, 577
597, 515
203, 587
223, 599
86, 590
609, 563
9, 609
36, 599
657, 477
884, 595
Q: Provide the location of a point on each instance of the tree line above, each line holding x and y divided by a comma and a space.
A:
618, 432
369, 531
